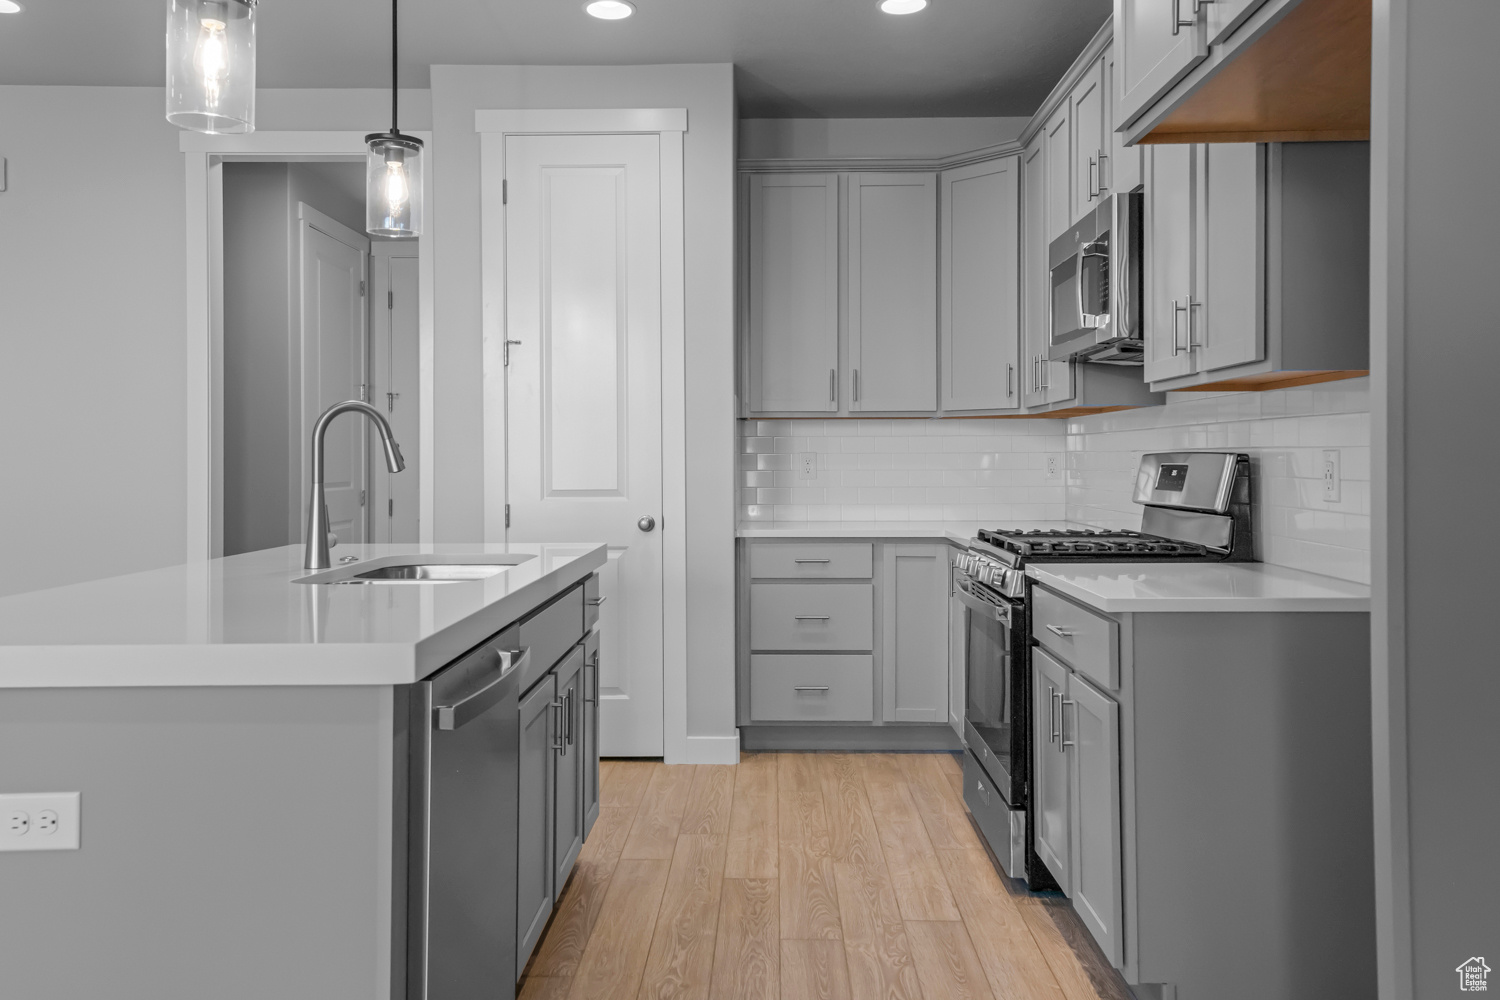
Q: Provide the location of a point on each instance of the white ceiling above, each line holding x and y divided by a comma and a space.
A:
795, 58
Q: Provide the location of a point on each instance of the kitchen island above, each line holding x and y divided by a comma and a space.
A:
296, 789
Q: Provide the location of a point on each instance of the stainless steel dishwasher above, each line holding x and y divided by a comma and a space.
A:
461, 840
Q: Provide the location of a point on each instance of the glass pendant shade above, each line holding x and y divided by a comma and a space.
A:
211, 65
393, 185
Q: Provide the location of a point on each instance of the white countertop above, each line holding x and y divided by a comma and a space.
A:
1199, 587
957, 532
243, 621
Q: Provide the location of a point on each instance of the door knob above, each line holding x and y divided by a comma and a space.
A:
647, 523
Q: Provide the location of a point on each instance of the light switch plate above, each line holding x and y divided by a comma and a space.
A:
48, 821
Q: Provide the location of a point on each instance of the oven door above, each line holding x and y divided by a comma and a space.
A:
990, 709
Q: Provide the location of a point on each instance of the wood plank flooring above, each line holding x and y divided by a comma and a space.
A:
802, 876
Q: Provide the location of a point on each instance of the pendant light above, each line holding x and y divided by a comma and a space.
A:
393, 172
211, 65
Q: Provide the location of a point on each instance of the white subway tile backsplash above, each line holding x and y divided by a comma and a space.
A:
994, 471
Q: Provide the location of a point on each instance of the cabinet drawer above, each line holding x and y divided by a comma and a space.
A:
1088, 642
551, 633
812, 616
791, 688
812, 561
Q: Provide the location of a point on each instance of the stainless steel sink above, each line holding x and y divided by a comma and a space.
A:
419, 569
426, 573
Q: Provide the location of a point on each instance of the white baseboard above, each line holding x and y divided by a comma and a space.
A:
711, 750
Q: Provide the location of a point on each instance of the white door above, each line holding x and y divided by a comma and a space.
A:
334, 367
583, 298
394, 390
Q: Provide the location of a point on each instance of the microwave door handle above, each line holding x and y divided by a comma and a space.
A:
1078, 284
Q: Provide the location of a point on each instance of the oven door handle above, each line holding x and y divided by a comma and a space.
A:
988, 610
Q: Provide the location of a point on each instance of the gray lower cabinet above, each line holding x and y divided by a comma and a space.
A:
915, 639
568, 808
590, 734
534, 876
1202, 795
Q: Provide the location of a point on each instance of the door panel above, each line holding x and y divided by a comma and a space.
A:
1051, 794
1093, 727
1153, 54
534, 882
1088, 141
893, 292
1059, 167
395, 387
794, 292
1230, 326
567, 830
334, 368
981, 286
1170, 238
583, 279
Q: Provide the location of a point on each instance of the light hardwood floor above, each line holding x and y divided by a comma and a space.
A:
802, 876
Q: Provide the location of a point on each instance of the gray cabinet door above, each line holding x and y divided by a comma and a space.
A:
980, 315
1089, 150
1035, 286
538, 764
1228, 321
915, 623
590, 732
793, 307
1153, 50
567, 824
1091, 734
1123, 169
1051, 796
1170, 259
892, 310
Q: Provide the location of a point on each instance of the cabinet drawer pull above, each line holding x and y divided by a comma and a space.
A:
819, 688
597, 601
810, 618
812, 560
1065, 633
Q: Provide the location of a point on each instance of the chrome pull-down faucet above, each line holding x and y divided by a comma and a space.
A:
318, 536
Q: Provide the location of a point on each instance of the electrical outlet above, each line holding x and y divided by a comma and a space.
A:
47, 822
1332, 477
807, 465
1054, 466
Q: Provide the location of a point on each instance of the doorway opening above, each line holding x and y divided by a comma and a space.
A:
311, 311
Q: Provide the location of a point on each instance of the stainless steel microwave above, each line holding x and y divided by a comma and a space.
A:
1095, 312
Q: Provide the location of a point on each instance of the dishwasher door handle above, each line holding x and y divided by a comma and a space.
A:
470, 707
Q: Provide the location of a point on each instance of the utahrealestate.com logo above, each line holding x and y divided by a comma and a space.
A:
1472, 976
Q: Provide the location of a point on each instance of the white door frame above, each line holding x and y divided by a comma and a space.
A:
205, 156
669, 124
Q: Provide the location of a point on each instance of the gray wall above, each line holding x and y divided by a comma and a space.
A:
1435, 140
708, 150
102, 492
236, 844
261, 321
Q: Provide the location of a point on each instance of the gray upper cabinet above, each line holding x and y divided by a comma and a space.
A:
792, 302
1156, 43
1091, 146
1090, 731
915, 621
1057, 199
892, 308
981, 308
1124, 166
1256, 263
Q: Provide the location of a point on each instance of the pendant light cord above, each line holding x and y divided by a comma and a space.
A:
394, 90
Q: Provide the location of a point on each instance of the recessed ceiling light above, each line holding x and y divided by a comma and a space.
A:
10, 7
902, 6
614, 10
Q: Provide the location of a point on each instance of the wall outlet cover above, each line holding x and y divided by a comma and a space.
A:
1054, 466
43, 822
807, 465
1332, 476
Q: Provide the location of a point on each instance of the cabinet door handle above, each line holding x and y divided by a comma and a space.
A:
810, 618
1063, 633
597, 601
1177, 308
1093, 184
1177, 22
1052, 697
1062, 719
1102, 187
1188, 308
571, 715
833, 385
1046, 369
811, 560
557, 725
819, 688
1010, 372
856, 385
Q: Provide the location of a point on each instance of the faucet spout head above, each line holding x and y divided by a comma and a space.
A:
393, 459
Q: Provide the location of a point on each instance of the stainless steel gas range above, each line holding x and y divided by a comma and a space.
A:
1196, 508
